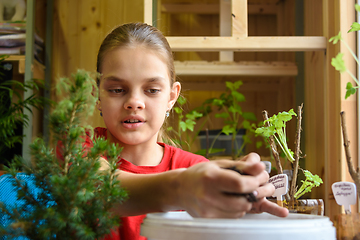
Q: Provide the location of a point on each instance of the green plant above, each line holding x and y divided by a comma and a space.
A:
185, 125
275, 127
76, 198
12, 114
234, 117
338, 61
340, 66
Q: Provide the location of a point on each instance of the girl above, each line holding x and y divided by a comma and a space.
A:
137, 91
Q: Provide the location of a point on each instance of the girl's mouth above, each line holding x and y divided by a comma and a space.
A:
132, 121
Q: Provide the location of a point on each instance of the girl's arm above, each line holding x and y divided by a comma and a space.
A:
202, 190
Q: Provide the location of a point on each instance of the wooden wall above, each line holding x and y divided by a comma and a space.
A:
273, 94
78, 29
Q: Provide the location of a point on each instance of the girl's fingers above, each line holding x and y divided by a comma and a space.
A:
266, 206
266, 190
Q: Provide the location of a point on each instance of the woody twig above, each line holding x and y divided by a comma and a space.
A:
296, 154
355, 175
273, 146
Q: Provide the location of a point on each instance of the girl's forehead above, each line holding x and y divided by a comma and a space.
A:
134, 62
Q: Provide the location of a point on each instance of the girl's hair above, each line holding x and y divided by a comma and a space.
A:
139, 34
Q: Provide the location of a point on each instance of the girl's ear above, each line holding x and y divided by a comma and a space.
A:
174, 94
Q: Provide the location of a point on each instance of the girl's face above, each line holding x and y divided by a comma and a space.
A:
135, 94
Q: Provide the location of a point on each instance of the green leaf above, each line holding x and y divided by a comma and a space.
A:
190, 124
183, 126
193, 115
181, 100
218, 102
338, 63
235, 109
238, 96
227, 129
259, 144
178, 110
350, 90
336, 38
230, 85
354, 27
237, 84
357, 7
266, 131
246, 124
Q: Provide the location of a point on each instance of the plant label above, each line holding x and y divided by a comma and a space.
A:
280, 183
267, 166
345, 194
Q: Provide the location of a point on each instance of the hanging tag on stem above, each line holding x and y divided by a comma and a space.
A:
345, 194
267, 166
280, 183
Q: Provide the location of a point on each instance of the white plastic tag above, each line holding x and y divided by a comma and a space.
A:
345, 194
280, 183
267, 166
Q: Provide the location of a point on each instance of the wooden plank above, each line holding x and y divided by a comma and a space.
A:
270, 86
90, 22
197, 8
225, 28
20, 59
148, 10
260, 9
239, 18
213, 8
236, 68
247, 44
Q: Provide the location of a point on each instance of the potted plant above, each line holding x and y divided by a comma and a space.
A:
274, 130
12, 116
73, 200
237, 124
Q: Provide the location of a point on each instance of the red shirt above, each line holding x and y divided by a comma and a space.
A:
173, 158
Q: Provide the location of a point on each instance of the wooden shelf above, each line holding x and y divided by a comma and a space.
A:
237, 44
213, 8
203, 68
21, 60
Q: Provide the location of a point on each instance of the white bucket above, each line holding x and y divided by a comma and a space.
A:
181, 226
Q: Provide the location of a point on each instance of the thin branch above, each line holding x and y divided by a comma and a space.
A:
355, 175
296, 154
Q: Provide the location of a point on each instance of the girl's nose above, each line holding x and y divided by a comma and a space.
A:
134, 102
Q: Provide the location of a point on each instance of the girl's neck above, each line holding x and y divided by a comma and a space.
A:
149, 154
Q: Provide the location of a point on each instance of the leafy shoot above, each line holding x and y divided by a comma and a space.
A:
277, 129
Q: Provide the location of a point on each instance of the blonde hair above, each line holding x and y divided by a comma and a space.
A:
139, 34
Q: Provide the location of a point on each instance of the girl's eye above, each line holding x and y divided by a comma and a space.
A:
116, 90
153, 91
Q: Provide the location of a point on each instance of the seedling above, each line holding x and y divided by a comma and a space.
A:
234, 117
275, 127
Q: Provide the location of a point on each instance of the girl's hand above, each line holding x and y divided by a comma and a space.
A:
205, 187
